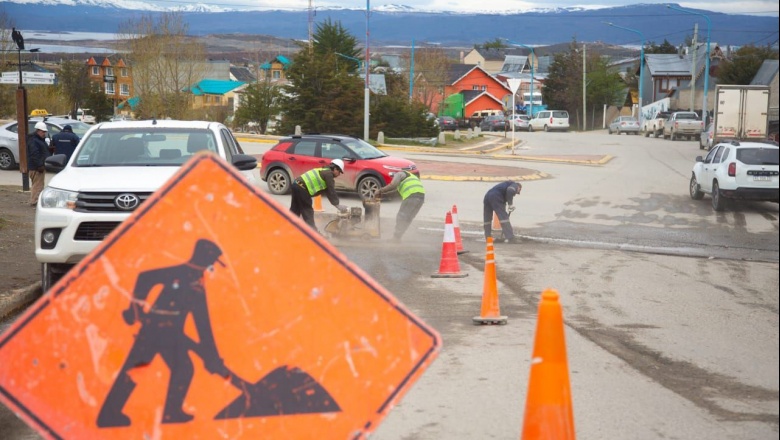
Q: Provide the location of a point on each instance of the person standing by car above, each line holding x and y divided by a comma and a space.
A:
312, 183
37, 152
499, 199
65, 142
412, 194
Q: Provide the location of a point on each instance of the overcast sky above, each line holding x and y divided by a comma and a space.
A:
752, 7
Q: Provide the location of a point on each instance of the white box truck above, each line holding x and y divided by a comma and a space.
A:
741, 112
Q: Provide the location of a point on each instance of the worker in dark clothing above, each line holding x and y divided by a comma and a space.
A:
499, 199
182, 293
65, 141
412, 194
37, 152
312, 183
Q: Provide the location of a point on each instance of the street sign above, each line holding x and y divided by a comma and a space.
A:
514, 84
25, 80
212, 312
36, 75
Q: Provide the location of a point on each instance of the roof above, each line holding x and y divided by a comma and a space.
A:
214, 87
280, 59
514, 63
665, 64
242, 74
766, 73
497, 54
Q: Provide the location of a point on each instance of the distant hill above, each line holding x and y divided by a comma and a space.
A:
403, 25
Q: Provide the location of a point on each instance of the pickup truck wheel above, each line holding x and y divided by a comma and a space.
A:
718, 202
530, 128
672, 136
694, 189
609, 131
546, 128
49, 276
647, 133
657, 133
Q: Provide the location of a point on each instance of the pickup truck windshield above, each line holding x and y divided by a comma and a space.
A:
687, 116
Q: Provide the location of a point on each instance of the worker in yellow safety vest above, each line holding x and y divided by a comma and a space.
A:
412, 194
313, 183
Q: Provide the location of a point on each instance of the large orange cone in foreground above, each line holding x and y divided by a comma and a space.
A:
449, 266
490, 313
456, 226
548, 409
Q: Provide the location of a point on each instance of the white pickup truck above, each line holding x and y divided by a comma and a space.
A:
655, 126
683, 124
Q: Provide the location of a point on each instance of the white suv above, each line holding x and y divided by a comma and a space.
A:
549, 120
116, 166
737, 170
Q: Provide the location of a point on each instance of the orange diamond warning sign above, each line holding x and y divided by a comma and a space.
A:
212, 313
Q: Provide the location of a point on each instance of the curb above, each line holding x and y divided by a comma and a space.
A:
17, 299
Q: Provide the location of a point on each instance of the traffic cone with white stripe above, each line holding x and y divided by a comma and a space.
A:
456, 225
489, 313
496, 222
449, 266
317, 203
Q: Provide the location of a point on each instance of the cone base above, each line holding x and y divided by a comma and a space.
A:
495, 320
449, 275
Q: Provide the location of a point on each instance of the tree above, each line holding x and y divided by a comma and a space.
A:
74, 84
7, 56
396, 116
165, 62
665, 47
431, 65
497, 44
744, 64
99, 104
331, 38
259, 103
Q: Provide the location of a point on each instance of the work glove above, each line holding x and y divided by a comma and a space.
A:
342, 208
510, 208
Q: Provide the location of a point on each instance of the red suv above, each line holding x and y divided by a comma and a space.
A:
367, 168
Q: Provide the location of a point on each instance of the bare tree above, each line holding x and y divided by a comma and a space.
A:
430, 74
7, 57
165, 62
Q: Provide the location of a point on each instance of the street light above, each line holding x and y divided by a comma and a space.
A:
704, 108
533, 57
641, 65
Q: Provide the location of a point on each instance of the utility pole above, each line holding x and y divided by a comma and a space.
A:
693, 69
584, 87
311, 20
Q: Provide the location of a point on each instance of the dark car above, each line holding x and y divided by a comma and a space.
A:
367, 168
494, 123
447, 123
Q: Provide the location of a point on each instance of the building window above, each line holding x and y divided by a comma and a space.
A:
95, 70
474, 87
124, 89
277, 74
123, 72
109, 88
110, 71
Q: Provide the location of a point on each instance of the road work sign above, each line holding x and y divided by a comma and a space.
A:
211, 312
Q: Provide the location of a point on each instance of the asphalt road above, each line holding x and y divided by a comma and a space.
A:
671, 309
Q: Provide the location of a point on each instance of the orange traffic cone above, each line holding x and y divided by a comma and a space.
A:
456, 225
548, 409
496, 222
449, 266
317, 203
490, 313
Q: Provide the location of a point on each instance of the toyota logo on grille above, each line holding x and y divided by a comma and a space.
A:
126, 202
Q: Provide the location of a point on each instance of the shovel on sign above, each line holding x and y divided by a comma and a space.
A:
284, 391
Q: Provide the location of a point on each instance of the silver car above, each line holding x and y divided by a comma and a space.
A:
624, 124
9, 137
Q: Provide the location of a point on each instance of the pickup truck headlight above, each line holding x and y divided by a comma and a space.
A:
57, 198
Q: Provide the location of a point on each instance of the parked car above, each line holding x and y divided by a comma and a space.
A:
115, 168
447, 123
705, 138
624, 124
9, 137
367, 168
494, 123
521, 122
737, 170
549, 120
683, 124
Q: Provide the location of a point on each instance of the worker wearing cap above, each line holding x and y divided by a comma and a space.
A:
182, 296
499, 199
37, 152
65, 142
412, 194
313, 183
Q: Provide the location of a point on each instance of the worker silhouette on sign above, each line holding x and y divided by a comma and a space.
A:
162, 333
